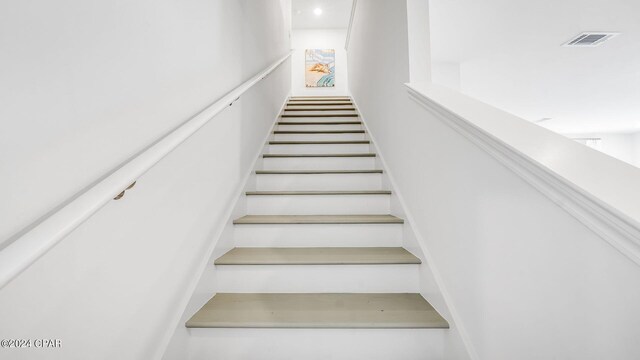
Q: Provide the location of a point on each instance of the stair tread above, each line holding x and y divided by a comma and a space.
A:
319, 132
319, 103
315, 172
320, 123
321, 99
319, 96
318, 219
318, 256
314, 192
320, 109
319, 142
326, 310
318, 155
317, 115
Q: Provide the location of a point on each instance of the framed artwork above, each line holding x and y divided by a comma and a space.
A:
320, 67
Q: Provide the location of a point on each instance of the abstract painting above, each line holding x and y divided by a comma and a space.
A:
320, 68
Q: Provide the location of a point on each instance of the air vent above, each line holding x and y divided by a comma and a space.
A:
590, 39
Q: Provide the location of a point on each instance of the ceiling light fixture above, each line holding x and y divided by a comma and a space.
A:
317, 11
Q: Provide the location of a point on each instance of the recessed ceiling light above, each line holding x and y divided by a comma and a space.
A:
317, 11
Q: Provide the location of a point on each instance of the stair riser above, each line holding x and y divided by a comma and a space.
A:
318, 204
317, 278
316, 111
319, 137
317, 344
318, 235
319, 182
320, 163
318, 127
320, 149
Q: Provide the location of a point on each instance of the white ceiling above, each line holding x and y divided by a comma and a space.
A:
335, 14
510, 55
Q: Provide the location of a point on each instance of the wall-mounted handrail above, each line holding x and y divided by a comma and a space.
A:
25, 250
353, 14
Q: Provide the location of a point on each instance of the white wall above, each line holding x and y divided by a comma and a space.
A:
636, 148
523, 278
512, 61
379, 45
418, 36
302, 39
446, 74
620, 146
86, 86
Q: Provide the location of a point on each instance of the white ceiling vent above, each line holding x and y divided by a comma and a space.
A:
590, 39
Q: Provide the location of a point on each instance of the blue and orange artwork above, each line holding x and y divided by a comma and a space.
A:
320, 68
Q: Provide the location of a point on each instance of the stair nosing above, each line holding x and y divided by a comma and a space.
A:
327, 103
317, 115
328, 98
344, 142
318, 192
320, 123
321, 109
319, 132
317, 172
278, 156
317, 256
318, 100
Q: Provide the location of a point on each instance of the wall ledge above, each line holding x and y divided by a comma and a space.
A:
607, 203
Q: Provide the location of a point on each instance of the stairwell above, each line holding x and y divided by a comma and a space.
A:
318, 269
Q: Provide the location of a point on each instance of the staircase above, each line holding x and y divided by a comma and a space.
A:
318, 270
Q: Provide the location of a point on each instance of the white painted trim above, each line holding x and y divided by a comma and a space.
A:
456, 320
353, 14
26, 249
232, 202
611, 224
